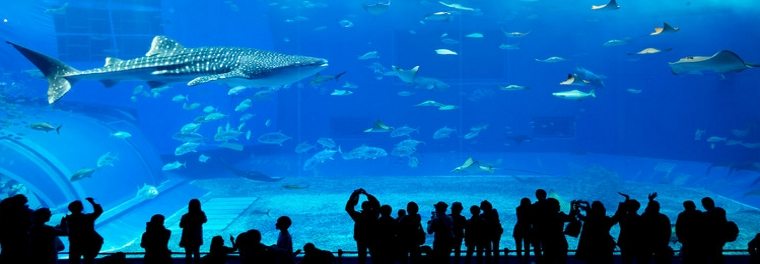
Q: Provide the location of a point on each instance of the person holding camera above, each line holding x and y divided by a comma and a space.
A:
365, 222
84, 241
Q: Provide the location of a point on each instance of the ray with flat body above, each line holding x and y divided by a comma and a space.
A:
721, 62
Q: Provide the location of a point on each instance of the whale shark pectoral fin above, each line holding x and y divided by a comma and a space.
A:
215, 77
111, 61
162, 45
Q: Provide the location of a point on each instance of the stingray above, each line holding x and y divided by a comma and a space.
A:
612, 5
664, 29
721, 62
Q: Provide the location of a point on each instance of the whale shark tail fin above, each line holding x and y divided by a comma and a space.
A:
54, 70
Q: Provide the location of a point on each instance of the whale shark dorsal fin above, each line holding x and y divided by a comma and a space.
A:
162, 45
111, 61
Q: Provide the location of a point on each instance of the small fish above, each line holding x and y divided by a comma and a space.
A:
405, 93
43, 126
516, 34
614, 43
274, 138
180, 98
413, 162
121, 134
476, 35
248, 135
445, 52
447, 107
444, 132
106, 160
649, 51
327, 143
379, 127
437, 17
346, 23
304, 147
699, 134
338, 92
504, 46
430, 103
246, 117
214, 116
449, 41
203, 158
513, 87
81, 174
185, 148
370, 55
459, 6
268, 122
377, 8
244, 105
553, 59
190, 128
574, 95
191, 106
633, 91
173, 166
209, 109
147, 192
236, 90
403, 131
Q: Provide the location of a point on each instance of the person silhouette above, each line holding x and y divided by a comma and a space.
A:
284, 240
155, 241
521, 231
629, 238
365, 222
314, 255
386, 240
492, 231
45, 243
459, 225
753, 248
539, 212
410, 234
441, 227
595, 244
688, 230
218, 252
554, 242
84, 241
15, 221
656, 232
474, 239
192, 231
714, 238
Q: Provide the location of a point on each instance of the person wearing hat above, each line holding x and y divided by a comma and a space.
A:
442, 228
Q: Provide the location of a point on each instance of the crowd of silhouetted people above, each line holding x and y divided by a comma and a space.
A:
541, 230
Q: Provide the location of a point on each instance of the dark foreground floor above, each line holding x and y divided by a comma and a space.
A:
730, 259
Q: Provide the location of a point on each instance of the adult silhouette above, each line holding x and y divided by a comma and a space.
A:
630, 236
15, 221
386, 239
714, 237
84, 241
492, 231
459, 225
656, 232
410, 233
365, 222
474, 239
595, 245
441, 227
521, 231
688, 231
45, 243
554, 242
155, 241
192, 231
539, 212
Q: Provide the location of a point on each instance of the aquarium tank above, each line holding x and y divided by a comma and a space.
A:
268, 108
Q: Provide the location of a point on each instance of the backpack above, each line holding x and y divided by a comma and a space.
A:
730, 231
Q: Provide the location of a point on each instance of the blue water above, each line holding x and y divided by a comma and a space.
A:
658, 124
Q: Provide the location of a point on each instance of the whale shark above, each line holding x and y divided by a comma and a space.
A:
168, 61
721, 62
